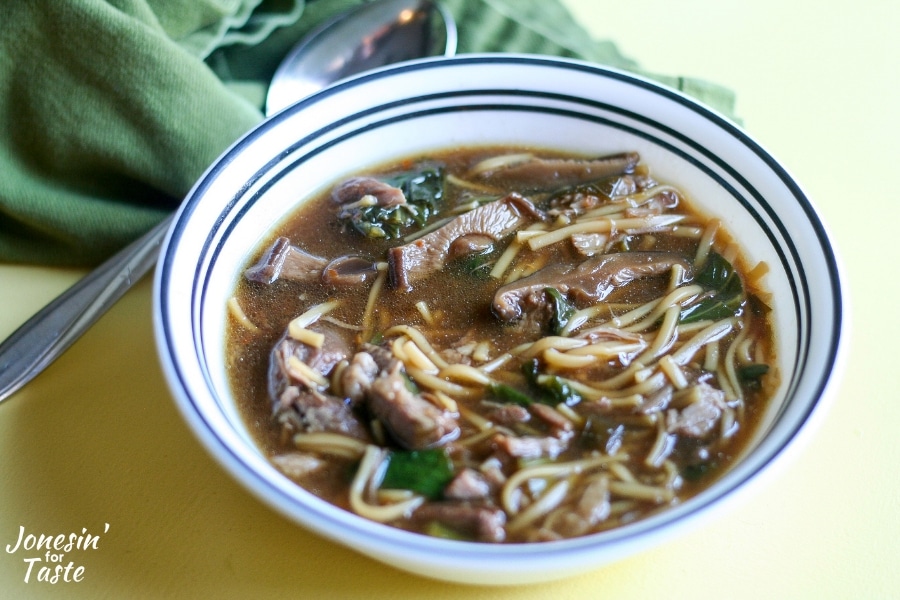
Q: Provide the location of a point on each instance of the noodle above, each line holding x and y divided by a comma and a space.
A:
367, 324
312, 315
601, 226
467, 373
416, 358
368, 471
556, 470
706, 242
729, 365
555, 358
547, 502
235, 310
420, 340
330, 443
641, 491
661, 448
712, 333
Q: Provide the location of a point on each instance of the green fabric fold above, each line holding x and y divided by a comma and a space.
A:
112, 109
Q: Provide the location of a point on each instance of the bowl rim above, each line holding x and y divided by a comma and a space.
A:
474, 554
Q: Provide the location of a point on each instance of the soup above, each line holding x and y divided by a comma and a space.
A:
502, 345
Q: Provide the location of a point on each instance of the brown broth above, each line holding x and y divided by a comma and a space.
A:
464, 303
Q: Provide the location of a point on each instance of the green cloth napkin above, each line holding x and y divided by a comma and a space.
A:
112, 109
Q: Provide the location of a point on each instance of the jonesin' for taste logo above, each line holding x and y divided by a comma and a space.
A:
48, 557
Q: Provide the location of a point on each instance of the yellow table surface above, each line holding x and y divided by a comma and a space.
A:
96, 439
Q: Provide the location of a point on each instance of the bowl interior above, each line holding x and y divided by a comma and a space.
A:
502, 100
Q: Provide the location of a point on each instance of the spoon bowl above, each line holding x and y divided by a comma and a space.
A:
387, 32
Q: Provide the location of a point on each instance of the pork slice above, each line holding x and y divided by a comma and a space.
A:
321, 360
702, 407
413, 422
485, 523
319, 412
530, 446
468, 484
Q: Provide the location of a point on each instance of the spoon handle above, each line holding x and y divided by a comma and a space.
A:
46, 335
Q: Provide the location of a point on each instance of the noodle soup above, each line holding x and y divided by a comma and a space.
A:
502, 345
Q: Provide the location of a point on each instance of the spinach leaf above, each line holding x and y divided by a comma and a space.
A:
752, 374
552, 389
559, 390
712, 308
727, 298
698, 471
425, 472
477, 264
508, 394
718, 274
440, 530
423, 189
562, 310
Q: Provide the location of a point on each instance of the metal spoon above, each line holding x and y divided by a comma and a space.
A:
371, 35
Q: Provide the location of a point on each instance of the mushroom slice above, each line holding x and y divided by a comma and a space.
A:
534, 174
591, 281
348, 270
428, 254
285, 261
356, 189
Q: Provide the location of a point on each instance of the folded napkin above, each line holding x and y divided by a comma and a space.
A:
113, 108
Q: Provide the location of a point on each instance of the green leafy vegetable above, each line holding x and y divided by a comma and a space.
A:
553, 389
718, 274
562, 310
698, 471
425, 472
753, 372
508, 394
476, 264
440, 530
423, 189
712, 308
559, 390
726, 299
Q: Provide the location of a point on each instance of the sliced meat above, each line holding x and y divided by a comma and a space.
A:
592, 508
285, 261
357, 378
468, 484
413, 422
507, 414
320, 360
531, 447
314, 412
356, 188
484, 523
533, 174
552, 418
702, 408
428, 254
591, 281
298, 464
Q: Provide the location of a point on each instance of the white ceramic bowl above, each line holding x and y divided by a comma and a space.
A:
490, 99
